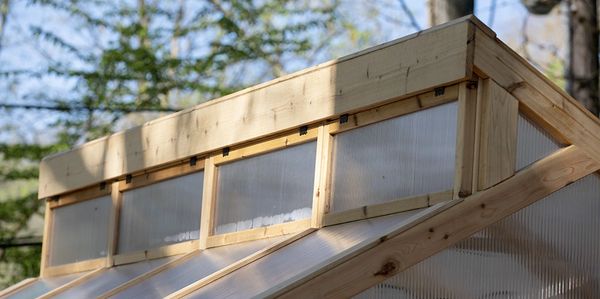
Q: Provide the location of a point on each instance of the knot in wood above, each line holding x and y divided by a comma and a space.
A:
388, 269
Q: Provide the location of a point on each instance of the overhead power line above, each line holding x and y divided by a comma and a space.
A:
86, 108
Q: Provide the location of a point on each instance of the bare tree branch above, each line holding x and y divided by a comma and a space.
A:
411, 16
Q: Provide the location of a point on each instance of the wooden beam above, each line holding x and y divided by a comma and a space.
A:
414, 64
81, 195
465, 138
154, 253
392, 254
413, 104
258, 233
540, 99
71, 284
322, 185
498, 135
154, 176
268, 145
241, 263
82, 266
209, 198
382, 209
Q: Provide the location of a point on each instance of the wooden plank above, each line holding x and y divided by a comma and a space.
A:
209, 197
542, 101
412, 65
71, 284
387, 208
269, 145
113, 223
147, 275
465, 138
322, 186
81, 195
154, 253
241, 263
390, 255
82, 266
46, 240
258, 233
398, 108
498, 135
17, 287
155, 176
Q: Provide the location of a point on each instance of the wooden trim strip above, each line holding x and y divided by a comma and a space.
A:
113, 223
268, 145
155, 176
209, 199
258, 233
147, 275
80, 195
46, 239
17, 287
387, 256
387, 208
239, 264
82, 266
395, 109
322, 185
498, 139
465, 138
65, 287
154, 253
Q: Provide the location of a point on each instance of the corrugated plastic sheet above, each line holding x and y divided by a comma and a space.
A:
550, 249
80, 231
533, 143
197, 267
412, 154
160, 214
111, 278
44, 285
298, 258
273, 188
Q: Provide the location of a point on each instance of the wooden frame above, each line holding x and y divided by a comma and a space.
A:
465, 62
387, 208
208, 238
378, 259
17, 287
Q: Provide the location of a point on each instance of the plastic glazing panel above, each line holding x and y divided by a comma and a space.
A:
160, 214
80, 231
412, 154
264, 190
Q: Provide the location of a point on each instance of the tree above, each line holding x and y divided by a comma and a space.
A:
142, 56
442, 11
583, 67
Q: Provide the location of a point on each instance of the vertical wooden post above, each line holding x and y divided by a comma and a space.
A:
465, 139
209, 193
498, 135
46, 239
113, 224
322, 188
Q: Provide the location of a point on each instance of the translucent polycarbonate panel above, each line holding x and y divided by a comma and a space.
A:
112, 277
533, 143
80, 231
197, 267
409, 155
44, 285
160, 214
547, 250
281, 266
273, 188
